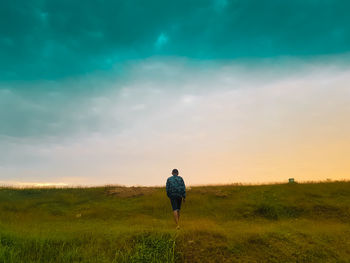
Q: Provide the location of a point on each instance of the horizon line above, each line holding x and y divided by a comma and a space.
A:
27, 185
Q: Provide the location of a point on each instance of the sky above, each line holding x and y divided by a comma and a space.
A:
121, 92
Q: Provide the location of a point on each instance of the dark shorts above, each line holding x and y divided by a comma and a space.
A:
176, 203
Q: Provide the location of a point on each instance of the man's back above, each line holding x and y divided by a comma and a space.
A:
175, 186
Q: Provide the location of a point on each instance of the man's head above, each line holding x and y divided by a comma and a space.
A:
175, 172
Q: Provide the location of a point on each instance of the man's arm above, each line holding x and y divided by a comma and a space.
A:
167, 187
183, 188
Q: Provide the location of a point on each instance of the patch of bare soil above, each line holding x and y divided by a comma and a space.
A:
203, 247
126, 192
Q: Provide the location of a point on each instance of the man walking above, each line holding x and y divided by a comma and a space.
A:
176, 191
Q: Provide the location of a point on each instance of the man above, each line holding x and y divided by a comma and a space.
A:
176, 191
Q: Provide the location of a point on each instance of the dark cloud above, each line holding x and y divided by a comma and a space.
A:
60, 38
51, 108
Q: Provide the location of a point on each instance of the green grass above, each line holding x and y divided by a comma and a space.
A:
233, 223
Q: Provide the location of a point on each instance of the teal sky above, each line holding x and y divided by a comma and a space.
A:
95, 92
58, 39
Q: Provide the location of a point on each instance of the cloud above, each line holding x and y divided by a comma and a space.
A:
161, 40
216, 122
59, 39
220, 4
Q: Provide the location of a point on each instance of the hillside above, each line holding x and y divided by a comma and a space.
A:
233, 223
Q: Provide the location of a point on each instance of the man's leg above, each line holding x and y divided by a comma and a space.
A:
176, 216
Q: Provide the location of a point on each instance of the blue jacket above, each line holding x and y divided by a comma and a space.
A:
175, 187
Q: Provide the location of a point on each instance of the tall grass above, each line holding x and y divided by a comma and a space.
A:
232, 223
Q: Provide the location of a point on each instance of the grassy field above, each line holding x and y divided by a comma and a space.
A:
233, 223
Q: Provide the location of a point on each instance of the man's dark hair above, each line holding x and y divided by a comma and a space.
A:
175, 172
